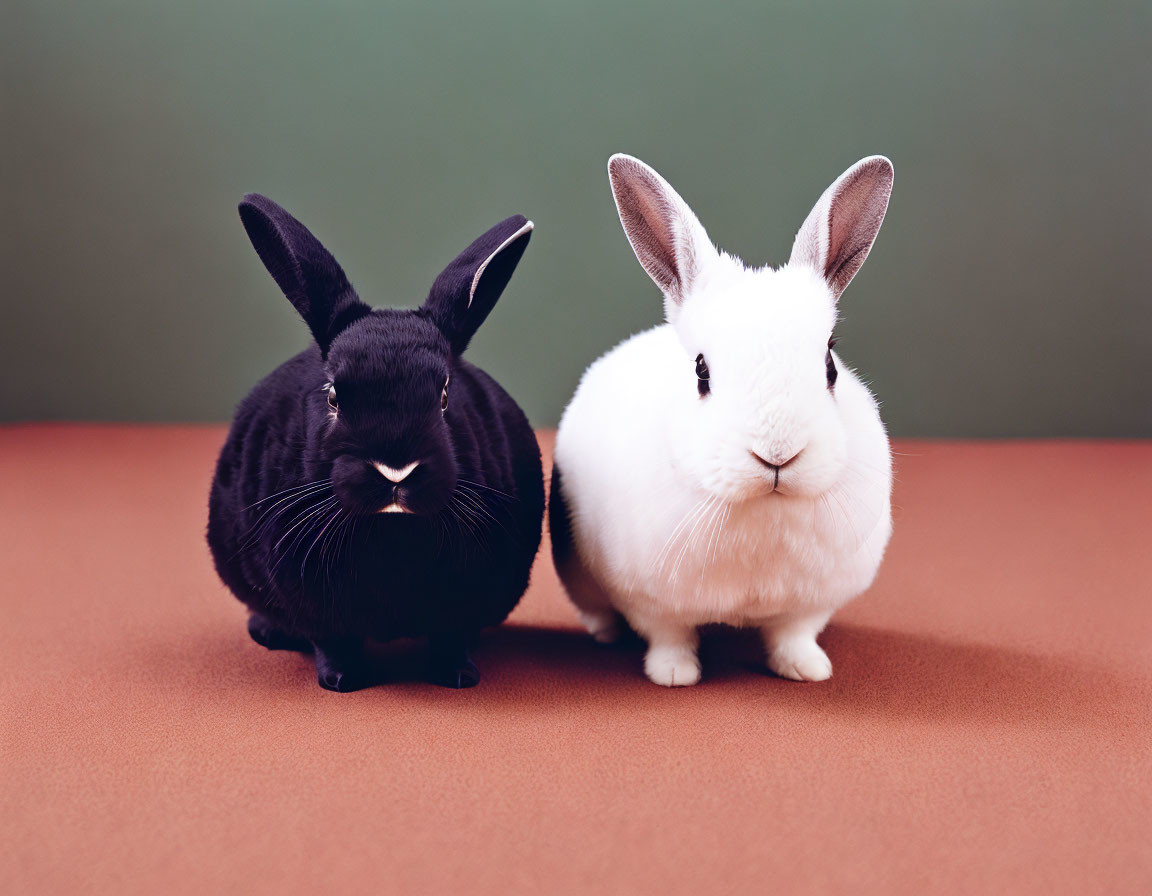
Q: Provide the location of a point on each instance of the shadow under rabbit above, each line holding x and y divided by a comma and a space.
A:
879, 674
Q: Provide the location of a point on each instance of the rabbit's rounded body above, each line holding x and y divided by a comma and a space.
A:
378, 485
652, 545
383, 576
725, 466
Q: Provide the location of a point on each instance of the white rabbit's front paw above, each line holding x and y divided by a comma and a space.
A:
800, 659
672, 666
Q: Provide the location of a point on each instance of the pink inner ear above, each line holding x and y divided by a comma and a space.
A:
647, 218
854, 218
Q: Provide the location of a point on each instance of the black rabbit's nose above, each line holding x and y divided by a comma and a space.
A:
397, 504
393, 474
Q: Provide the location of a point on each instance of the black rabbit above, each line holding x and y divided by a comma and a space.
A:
377, 485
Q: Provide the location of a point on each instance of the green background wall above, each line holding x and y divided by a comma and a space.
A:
1007, 294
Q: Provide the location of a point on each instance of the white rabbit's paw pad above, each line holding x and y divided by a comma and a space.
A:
800, 660
672, 667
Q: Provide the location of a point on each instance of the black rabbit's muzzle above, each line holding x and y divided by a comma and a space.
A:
364, 487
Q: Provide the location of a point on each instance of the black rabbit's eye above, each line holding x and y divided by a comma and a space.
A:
444, 395
702, 376
830, 365
332, 402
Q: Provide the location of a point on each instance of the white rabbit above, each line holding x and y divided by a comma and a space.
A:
725, 466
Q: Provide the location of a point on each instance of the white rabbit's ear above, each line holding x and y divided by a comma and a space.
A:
839, 231
669, 241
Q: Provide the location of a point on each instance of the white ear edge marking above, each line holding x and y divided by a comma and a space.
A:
504, 245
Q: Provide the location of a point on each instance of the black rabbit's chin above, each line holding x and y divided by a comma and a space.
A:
366, 488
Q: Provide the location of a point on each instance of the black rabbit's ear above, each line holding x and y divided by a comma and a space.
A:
307, 273
468, 288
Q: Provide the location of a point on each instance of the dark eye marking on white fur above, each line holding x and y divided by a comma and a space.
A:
830, 365
702, 376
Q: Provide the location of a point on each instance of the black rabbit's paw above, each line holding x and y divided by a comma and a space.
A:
267, 635
462, 674
448, 662
341, 666
342, 681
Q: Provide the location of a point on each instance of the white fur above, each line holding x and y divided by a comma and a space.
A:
674, 522
392, 474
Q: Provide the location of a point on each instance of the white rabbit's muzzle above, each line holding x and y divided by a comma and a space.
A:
741, 466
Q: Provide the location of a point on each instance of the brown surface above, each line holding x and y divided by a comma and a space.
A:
987, 729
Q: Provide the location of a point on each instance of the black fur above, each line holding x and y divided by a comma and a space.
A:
559, 522
293, 519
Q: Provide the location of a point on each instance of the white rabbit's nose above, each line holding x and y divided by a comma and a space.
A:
394, 475
775, 461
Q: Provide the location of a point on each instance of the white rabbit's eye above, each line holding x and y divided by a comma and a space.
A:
332, 402
702, 376
444, 394
830, 365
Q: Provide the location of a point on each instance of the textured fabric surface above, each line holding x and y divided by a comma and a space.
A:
987, 728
